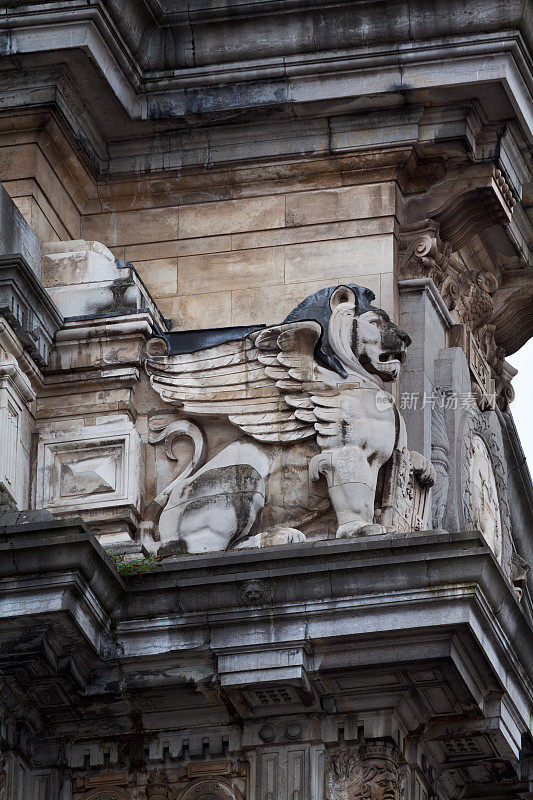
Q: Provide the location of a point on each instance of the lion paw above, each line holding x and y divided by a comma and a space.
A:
351, 529
277, 536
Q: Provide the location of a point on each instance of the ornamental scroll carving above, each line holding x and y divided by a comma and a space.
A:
469, 297
307, 426
371, 772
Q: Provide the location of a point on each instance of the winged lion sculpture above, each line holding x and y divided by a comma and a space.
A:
308, 428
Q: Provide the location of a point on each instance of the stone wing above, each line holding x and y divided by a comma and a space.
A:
264, 383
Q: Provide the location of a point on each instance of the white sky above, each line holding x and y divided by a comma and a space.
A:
522, 405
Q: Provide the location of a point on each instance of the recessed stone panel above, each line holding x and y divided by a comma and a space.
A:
88, 468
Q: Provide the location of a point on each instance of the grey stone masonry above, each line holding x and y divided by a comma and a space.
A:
213, 667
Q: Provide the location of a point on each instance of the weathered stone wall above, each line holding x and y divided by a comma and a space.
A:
287, 584
253, 258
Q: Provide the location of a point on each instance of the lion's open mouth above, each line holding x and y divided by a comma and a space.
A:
387, 357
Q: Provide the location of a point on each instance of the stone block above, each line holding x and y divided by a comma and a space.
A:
313, 233
368, 255
177, 247
37, 219
160, 276
222, 271
273, 303
16, 236
351, 202
388, 294
75, 262
232, 216
270, 303
131, 227
58, 209
193, 311
95, 468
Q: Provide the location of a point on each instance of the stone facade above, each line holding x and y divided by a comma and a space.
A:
266, 524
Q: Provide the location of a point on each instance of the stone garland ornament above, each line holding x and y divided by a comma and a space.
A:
307, 423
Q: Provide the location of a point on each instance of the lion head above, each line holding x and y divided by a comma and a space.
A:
354, 332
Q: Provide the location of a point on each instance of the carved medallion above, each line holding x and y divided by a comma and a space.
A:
482, 505
210, 790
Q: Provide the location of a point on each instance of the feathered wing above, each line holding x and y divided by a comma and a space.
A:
265, 383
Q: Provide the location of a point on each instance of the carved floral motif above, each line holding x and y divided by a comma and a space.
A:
468, 295
344, 775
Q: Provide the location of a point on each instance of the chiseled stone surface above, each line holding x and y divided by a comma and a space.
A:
182, 167
289, 716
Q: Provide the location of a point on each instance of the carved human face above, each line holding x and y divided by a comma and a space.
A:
382, 786
379, 344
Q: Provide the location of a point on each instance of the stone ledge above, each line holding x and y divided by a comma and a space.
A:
27, 307
287, 618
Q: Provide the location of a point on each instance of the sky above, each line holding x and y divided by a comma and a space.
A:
522, 405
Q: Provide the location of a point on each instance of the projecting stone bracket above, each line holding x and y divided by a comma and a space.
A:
429, 248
